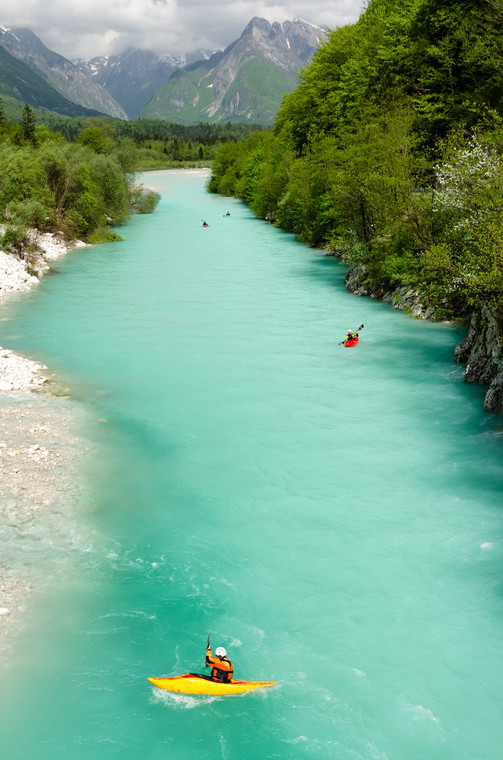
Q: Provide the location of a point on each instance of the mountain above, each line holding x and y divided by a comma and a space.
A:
244, 83
19, 81
58, 72
133, 77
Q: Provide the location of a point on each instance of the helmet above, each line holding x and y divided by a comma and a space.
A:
220, 652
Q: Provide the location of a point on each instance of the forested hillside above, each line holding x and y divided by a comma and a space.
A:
390, 153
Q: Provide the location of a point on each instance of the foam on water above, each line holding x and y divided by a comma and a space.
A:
331, 516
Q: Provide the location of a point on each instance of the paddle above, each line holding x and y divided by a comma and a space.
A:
355, 331
207, 647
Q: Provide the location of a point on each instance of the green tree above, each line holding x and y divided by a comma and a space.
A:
93, 137
466, 264
28, 124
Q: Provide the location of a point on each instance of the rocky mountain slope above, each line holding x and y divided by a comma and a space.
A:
133, 77
244, 83
61, 74
20, 84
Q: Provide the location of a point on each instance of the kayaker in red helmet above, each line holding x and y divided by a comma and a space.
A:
222, 668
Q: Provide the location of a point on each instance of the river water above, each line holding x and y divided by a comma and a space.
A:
332, 516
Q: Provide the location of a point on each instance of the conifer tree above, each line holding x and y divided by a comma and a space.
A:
28, 124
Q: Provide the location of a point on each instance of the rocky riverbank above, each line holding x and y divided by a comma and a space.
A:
39, 454
482, 353
19, 273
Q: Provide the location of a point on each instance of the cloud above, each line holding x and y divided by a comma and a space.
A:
77, 29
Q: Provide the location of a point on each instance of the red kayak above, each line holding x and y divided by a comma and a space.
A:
354, 339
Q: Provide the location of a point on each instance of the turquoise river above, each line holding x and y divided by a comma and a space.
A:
332, 516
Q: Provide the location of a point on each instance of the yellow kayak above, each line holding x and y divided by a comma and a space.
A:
190, 683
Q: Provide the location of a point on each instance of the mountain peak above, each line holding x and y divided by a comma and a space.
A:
244, 83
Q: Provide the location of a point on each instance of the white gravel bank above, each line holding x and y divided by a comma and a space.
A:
16, 372
16, 273
39, 450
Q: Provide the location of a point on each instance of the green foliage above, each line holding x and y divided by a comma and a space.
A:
27, 213
226, 168
104, 235
94, 137
44, 134
143, 200
13, 239
21, 176
28, 125
80, 188
467, 261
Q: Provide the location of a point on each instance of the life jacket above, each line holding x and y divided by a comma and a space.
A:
222, 669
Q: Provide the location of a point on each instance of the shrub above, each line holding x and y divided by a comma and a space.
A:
29, 213
14, 239
143, 200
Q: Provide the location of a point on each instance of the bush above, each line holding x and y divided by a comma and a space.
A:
30, 213
14, 239
143, 200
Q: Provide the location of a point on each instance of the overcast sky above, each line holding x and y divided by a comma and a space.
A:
88, 28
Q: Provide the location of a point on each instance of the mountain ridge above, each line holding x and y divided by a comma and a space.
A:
245, 82
277, 51
134, 76
66, 78
25, 85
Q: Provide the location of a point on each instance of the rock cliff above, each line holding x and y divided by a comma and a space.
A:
481, 351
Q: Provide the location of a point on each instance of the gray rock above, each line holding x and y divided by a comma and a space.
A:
481, 351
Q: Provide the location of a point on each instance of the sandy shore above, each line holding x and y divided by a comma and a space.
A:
40, 454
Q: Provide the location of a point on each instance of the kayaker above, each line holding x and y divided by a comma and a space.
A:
222, 668
351, 335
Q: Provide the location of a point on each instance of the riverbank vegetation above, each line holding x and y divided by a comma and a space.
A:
390, 153
81, 188
158, 144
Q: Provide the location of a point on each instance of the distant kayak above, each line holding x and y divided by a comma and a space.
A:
191, 683
351, 338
